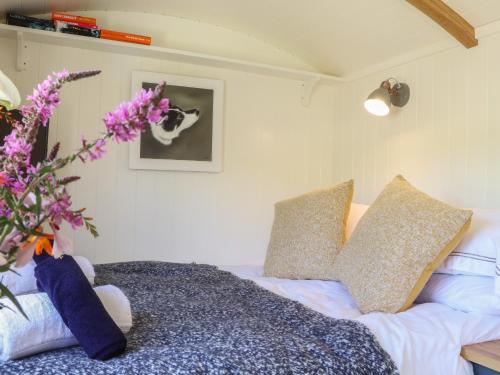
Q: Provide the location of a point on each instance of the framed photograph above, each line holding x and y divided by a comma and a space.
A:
190, 135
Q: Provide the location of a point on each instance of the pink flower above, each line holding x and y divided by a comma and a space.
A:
17, 146
154, 115
17, 187
5, 211
47, 199
60, 207
98, 151
74, 219
45, 97
62, 75
93, 152
128, 120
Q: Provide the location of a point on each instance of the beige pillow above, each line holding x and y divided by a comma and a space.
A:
401, 239
308, 232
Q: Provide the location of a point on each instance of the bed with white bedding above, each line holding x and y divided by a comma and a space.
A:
196, 319
426, 339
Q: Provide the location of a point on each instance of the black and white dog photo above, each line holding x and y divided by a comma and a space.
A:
185, 131
189, 135
173, 123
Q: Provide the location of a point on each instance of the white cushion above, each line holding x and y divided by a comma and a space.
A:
45, 329
478, 252
461, 292
23, 280
355, 214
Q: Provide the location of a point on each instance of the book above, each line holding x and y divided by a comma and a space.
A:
80, 24
125, 37
70, 28
58, 16
16, 19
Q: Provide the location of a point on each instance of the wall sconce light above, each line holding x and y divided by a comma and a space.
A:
380, 100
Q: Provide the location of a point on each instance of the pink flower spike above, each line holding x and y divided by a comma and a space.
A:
164, 104
154, 115
128, 120
62, 75
74, 220
98, 151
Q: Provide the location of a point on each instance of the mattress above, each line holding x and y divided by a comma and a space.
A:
425, 339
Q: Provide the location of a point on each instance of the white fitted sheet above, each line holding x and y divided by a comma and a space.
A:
425, 339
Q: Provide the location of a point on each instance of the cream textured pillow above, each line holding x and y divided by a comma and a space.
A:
308, 232
401, 239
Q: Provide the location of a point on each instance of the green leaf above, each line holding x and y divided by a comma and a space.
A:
90, 227
6, 268
9, 199
5, 292
45, 170
7, 228
19, 222
38, 204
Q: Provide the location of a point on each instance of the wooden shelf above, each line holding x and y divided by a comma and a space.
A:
60, 39
486, 354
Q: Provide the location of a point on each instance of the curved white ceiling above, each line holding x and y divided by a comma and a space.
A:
335, 36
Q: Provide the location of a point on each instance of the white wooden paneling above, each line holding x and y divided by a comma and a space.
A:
446, 141
274, 148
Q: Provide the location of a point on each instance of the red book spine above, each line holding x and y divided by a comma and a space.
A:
57, 16
124, 37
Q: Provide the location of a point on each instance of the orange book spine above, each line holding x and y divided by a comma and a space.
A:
124, 37
57, 16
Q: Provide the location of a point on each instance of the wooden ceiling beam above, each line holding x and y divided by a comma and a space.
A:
448, 19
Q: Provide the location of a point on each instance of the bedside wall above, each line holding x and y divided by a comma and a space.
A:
446, 141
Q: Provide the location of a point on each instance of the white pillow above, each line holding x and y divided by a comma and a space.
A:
355, 214
45, 329
479, 251
461, 292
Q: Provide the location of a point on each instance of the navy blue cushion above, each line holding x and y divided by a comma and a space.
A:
79, 306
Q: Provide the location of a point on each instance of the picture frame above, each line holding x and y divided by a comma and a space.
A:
190, 136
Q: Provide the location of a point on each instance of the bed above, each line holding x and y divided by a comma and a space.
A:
196, 319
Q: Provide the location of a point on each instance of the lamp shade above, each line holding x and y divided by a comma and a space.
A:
9, 95
378, 102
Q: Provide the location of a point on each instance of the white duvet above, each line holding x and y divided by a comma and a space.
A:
425, 339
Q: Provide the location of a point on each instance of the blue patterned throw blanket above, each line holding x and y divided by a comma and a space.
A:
196, 319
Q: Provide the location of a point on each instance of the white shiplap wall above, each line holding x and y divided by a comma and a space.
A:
446, 141
274, 148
